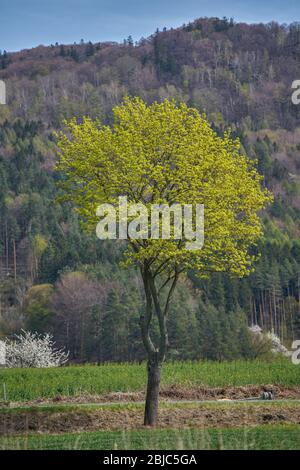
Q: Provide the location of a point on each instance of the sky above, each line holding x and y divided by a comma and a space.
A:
29, 23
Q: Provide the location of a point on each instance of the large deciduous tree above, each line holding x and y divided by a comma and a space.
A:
166, 153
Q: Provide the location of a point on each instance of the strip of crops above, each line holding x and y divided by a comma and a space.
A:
29, 384
260, 437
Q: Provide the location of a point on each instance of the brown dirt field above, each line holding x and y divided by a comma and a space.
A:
178, 392
171, 417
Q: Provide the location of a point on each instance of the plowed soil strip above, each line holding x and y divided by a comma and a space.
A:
123, 418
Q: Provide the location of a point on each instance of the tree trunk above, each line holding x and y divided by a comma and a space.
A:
156, 355
151, 406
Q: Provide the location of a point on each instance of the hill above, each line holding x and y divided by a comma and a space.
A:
240, 75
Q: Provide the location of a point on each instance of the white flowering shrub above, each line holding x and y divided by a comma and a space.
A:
33, 350
277, 347
255, 330
265, 342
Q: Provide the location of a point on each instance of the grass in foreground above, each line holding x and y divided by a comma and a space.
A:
30, 384
282, 437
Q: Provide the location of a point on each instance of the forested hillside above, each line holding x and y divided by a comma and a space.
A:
54, 277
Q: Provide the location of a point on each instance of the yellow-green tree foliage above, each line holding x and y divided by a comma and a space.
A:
166, 153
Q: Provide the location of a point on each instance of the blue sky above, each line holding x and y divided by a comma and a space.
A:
28, 23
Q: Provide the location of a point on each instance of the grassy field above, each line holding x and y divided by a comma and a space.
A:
283, 437
29, 384
193, 425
